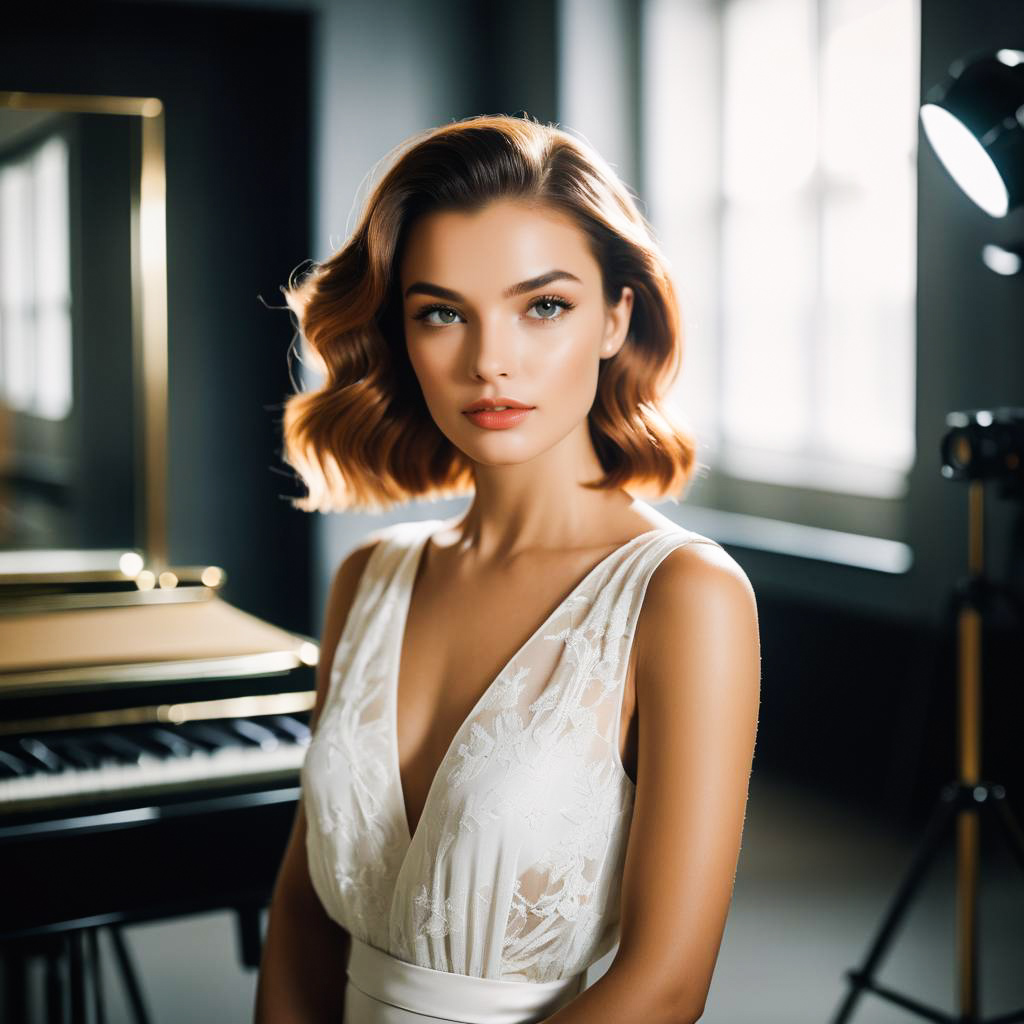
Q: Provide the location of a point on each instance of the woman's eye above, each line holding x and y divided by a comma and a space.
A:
550, 308
445, 315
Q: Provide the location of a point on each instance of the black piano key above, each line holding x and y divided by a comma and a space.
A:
212, 737
122, 748
288, 727
78, 755
258, 734
12, 767
170, 742
150, 745
38, 754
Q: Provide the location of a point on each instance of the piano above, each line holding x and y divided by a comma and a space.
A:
150, 748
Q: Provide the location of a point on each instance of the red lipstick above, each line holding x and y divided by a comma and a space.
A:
497, 413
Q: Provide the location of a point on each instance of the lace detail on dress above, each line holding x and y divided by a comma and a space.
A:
345, 773
515, 867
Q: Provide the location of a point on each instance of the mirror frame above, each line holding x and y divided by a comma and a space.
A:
148, 331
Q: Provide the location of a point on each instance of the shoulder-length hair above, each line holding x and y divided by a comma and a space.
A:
366, 438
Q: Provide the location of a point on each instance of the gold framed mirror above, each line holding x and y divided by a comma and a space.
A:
83, 335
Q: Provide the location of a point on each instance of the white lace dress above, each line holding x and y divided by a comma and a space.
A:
509, 889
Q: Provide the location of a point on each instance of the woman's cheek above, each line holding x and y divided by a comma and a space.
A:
570, 368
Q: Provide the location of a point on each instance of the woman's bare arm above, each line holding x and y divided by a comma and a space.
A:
302, 970
698, 697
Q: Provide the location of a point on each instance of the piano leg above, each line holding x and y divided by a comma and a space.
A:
96, 969
250, 935
76, 961
16, 984
128, 975
54, 985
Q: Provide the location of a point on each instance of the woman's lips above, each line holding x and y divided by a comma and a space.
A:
491, 419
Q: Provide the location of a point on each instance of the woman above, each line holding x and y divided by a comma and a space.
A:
534, 724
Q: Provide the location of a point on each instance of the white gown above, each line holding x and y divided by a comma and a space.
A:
509, 889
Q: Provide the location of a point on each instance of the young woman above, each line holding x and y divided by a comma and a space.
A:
535, 722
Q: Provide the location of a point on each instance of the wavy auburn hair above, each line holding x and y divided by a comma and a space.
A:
366, 439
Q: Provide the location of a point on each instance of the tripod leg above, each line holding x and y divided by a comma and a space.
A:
967, 857
926, 851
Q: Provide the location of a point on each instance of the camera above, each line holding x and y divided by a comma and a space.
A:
986, 444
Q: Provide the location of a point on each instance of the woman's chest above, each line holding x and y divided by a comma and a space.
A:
458, 640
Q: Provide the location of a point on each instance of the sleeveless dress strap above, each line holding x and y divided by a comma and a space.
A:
638, 570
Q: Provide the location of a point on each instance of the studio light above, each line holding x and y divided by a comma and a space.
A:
974, 120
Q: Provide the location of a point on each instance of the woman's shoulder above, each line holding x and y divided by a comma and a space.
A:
694, 579
697, 563
698, 617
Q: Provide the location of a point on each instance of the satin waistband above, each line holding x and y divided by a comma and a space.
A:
456, 997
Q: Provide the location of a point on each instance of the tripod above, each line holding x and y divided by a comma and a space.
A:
961, 804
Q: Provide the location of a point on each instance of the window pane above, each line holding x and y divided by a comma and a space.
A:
16, 286
769, 128
768, 239
868, 231
681, 120
15, 235
53, 370
867, 362
767, 303
869, 90
18, 367
35, 360
51, 222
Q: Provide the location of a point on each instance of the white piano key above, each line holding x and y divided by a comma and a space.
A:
227, 763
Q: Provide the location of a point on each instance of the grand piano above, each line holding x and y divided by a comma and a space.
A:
151, 731
150, 746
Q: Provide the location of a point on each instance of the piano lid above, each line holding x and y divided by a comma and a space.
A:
45, 652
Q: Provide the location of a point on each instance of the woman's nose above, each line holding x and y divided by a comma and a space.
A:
492, 348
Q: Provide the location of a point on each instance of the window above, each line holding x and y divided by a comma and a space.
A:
779, 161
35, 289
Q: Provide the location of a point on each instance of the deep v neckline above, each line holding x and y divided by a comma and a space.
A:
407, 582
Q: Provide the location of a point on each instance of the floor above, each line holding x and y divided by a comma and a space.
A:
813, 884
814, 879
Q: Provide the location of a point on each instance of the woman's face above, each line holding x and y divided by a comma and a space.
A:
507, 302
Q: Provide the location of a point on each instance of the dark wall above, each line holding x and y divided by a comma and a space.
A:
516, 58
236, 89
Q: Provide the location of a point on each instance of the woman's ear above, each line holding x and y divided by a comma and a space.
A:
617, 321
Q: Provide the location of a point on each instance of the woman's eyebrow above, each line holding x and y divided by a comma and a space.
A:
426, 288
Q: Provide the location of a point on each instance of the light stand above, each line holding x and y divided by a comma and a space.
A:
974, 121
979, 444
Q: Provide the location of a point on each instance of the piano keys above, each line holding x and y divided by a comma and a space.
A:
64, 768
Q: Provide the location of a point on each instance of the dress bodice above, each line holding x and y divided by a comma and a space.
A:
514, 869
